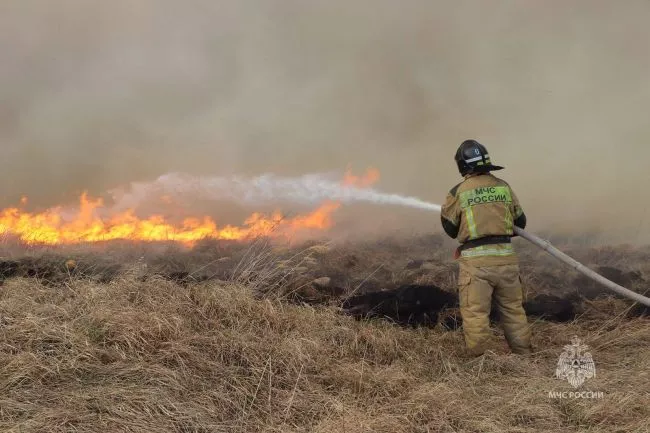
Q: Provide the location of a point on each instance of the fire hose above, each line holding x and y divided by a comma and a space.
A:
550, 249
554, 252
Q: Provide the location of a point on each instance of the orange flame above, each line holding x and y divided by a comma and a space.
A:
371, 177
51, 228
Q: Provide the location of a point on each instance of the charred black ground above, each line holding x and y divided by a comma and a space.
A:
409, 281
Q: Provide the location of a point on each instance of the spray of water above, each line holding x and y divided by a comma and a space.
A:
309, 189
306, 189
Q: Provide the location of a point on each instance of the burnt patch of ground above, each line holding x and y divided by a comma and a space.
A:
54, 270
639, 310
553, 308
590, 289
422, 305
412, 304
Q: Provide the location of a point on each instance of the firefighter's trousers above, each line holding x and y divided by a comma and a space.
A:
477, 285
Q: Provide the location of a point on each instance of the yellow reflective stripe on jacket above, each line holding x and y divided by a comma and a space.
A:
471, 224
509, 221
489, 250
518, 211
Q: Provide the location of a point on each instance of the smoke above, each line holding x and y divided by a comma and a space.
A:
95, 95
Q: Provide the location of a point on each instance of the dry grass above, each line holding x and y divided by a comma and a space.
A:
151, 355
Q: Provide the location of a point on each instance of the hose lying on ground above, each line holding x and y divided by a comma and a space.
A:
546, 246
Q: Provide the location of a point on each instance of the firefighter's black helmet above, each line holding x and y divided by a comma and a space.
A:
473, 157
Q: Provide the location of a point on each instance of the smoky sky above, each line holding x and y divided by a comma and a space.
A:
96, 94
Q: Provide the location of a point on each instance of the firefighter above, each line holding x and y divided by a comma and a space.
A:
480, 213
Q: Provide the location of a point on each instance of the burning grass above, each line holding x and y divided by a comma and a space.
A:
219, 349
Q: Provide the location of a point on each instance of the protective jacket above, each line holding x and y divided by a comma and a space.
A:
480, 213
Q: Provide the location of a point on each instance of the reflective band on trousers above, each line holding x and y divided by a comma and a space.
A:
489, 250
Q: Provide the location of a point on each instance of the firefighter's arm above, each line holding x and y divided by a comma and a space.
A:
450, 216
518, 211
520, 221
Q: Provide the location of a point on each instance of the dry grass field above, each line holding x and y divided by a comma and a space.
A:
235, 337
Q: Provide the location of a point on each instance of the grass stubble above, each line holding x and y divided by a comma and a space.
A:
134, 354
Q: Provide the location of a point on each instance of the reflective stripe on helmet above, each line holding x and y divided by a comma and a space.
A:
478, 158
489, 250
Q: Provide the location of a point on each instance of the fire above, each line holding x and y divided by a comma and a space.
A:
371, 177
51, 228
